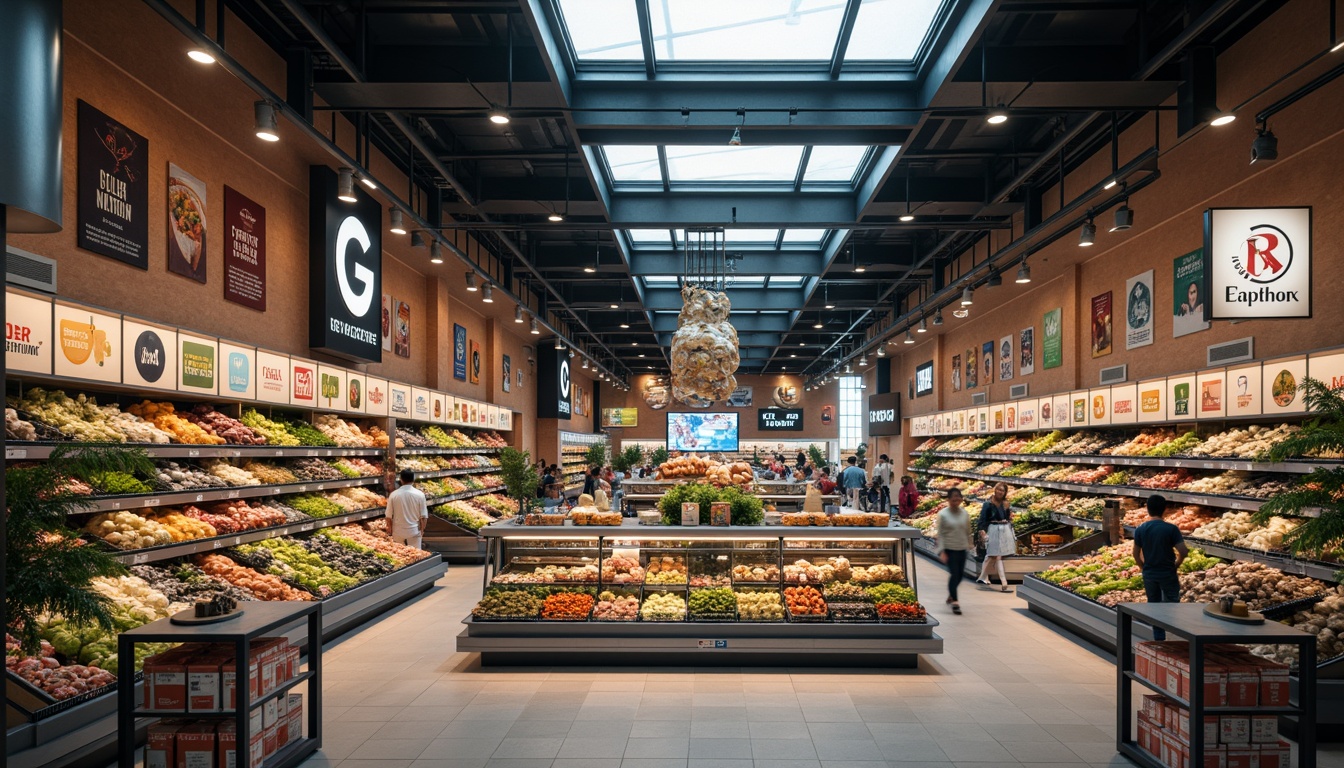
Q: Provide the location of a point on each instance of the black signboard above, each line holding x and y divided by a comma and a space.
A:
884, 414
345, 268
924, 379
555, 388
113, 188
779, 420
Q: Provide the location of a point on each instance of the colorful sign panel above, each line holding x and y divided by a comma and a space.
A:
1258, 262
89, 344
28, 344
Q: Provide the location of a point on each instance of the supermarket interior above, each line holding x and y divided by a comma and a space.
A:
672, 384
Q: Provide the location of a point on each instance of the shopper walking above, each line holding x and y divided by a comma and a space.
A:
1159, 550
407, 512
995, 529
908, 499
953, 529
882, 482
852, 481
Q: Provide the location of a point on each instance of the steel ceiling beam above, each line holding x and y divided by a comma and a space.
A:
765, 210
742, 299
666, 322
754, 263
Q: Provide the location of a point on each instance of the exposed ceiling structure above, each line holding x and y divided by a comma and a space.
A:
866, 159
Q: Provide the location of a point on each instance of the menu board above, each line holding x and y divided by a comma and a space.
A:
1152, 400
1210, 399
1180, 397
1124, 404
197, 365
90, 344
151, 355
302, 383
273, 373
27, 333
399, 400
375, 396
1245, 396
1281, 385
1099, 407
237, 371
356, 392
331, 388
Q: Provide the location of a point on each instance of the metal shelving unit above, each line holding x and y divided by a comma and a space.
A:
1195, 462
16, 451
173, 498
196, 546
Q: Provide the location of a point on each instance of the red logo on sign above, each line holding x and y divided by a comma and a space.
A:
303, 383
1269, 254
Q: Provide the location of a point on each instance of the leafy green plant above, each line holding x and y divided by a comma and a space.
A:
47, 568
596, 455
519, 475
658, 456
861, 452
1321, 490
815, 455
630, 456
746, 509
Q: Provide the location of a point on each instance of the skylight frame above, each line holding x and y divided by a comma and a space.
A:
782, 182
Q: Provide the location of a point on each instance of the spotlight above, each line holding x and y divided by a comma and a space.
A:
863, 361
849, 368
907, 217
1124, 217
625, 325
736, 140
860, 268
1023, 274
559, 344
397, 227
345, 186
938, 316
417, 239
923, 326
435, 256
1110, 183
585, 363
1222, 118
1089, 234
518, 314
533, 328
263, 121
488, 294
967, 296
908, 338
1265, 148
818, 326
368, 182
994, 281
881, 351
997, 115
471, 281
498, 116
556, 217
200, 56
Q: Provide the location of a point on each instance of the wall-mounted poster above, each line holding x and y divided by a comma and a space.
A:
740, 398
398, 400
385, 335
244, 250
1059, 411
1281, 385
508, 373
420, 404
401, 331
331, 388
956, 373
356, 392
1006, 358
90, 344
459, 352
474, 362
1139, 310
151, 360
186, 224
303, 383
113, 207
1152, 395
1124, 404
579, 392
1187, 306
436, 407
987, 359
1101, 325
1052, 348
972, 369
1100, 406
1026, 345
1259, 262
28, 333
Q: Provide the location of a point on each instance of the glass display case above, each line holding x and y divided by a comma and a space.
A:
700, 595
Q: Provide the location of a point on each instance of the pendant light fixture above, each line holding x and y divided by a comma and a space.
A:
1124, 217
938, 316
201, 56
559, 344
585, 364
923, 325
435, 255
826, 296
907, 216
263, 121
397, 227
488, 294
908, 338
533, 327
1088, 236
863, 361
345, 186
736, 139
518, 314
597, 257
1222, 118
471, 281
997, 116
1265, 148
881, 351
1023, 274
994, 281
967, 296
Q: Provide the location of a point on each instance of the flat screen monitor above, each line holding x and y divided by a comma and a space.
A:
702, 432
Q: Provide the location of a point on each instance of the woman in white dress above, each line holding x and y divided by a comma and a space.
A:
996, 531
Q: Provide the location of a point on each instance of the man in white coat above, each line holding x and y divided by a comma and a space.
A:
407, 512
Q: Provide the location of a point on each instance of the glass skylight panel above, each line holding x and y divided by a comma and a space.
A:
743, 30
649, 236
834, 163
603, 30
786, 281
732, 164
661, 279
746, 282
812, 236
749, 236
633, 162
891, 30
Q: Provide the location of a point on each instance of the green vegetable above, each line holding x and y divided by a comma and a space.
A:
314, 505
307, 434
118, 483
746, 509
346, 469
891, 593
274, 431
720, 600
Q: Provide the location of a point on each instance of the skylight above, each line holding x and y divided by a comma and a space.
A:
834, 163
729, 165
647, 236
633, 163
744, 30
804, 236
603, 30
891, 30
747, 236
732, 164
786, 281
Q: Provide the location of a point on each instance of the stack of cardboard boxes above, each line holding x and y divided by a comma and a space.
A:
1232, 678
200, 679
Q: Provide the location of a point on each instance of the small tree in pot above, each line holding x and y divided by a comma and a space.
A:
520, 477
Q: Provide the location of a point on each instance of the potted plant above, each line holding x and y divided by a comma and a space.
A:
520, 477
596, 455
816, 456
659, 456
630, 456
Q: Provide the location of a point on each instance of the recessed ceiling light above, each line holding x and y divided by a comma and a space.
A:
200, 56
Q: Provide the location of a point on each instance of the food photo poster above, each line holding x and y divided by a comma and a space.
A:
186, 224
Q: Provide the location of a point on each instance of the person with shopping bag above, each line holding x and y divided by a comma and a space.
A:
996, 532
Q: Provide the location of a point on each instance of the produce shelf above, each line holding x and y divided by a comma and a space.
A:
1284, 562
16, 451
1081, 522
1175, 462
462, 495
454, 472
1178, 497
196, 546
442, 451
173, 498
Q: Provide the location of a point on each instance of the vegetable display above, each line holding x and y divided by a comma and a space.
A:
663, 606
507, 604
290, 560
262, 586
719, 601
759, 605
746, 508
804, 601
616, 606
567, 606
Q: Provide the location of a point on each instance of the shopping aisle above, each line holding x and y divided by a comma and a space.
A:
1008, 691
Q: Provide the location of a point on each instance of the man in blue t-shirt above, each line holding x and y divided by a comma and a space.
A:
1159, 550
853, 480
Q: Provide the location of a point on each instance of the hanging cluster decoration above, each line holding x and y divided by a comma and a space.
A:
705, 347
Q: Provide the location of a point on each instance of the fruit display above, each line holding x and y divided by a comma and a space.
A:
718, 602
46, 673
80, 418
269, 474
1259, 585
507, 604
342, 432
502, 505
884, 594
230, 474
804, 601
1166, 479
227, 428
288, 559
381, 439
1228, 528
274, 432
549, 574
1243, 442
1188, 517
1090, 475
1043, 443
438, 437
186, 583
876, 573
665, 569
911, 612
127, 530
759, 605
616, 606
663, 606
409, 439
567, 606
165, 417
262, 586
374, 537
804, 572
1268, 537
620, 569
763, 573
313, 470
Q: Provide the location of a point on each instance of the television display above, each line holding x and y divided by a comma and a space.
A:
702, 432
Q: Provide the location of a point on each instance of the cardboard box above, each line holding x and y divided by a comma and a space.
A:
1152, 706
1273, 684
256, 746
227, 751
166, 681
270, 713
1242, 683
270, 739
161, 744
1148, 734
1181, 721
294, 711
1264, 729
203, 684
196, 746
1234, 729
1277, 755
293, 656
1242, 757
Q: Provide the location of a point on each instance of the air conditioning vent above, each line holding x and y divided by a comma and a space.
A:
1115, 374
1017, 390
1232, 351
979, 398
29, 270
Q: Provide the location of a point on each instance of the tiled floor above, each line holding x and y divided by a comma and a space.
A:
1009, 690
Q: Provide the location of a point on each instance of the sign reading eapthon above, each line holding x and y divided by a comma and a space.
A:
1258, 263
345, 271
